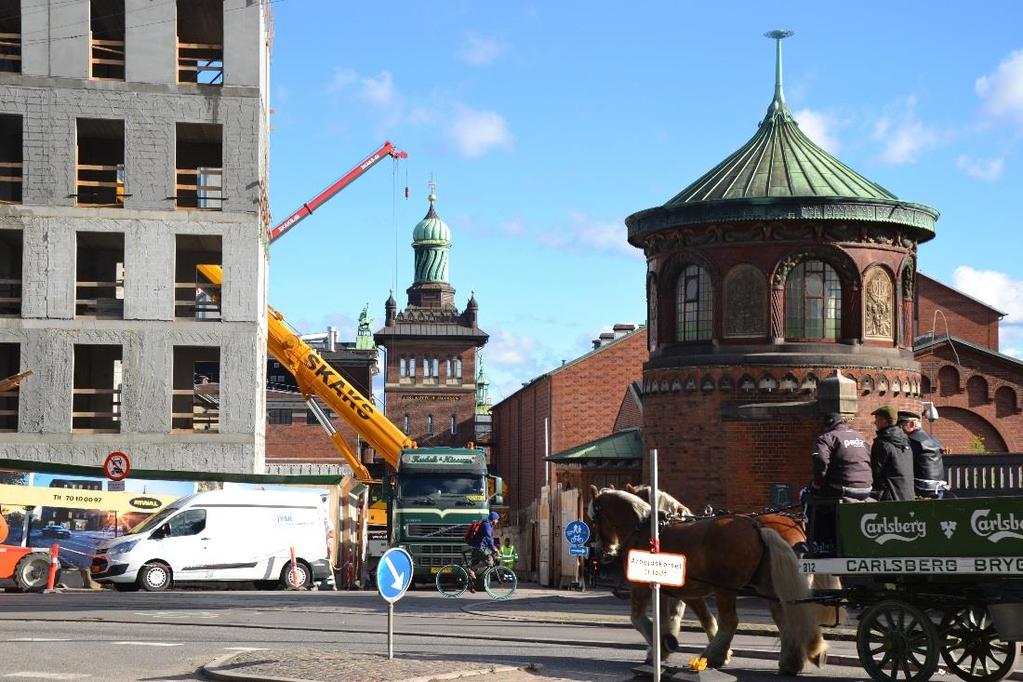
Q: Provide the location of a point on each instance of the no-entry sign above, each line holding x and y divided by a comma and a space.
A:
117, 466
663, 569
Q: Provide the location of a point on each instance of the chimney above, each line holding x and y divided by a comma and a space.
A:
621, 329
331, 338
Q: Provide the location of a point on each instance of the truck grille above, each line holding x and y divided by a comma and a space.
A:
427, 556
436, 530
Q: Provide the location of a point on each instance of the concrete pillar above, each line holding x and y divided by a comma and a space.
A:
35, 52
242, 42
150, 41
149, 271
69, 38
837, 393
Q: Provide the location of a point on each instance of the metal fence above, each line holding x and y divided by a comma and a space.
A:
985, 475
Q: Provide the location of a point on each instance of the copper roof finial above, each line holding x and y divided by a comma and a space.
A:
778, 103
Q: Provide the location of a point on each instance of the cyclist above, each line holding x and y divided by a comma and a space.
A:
484, 553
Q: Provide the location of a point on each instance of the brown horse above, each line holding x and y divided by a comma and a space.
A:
791, 531
724, 555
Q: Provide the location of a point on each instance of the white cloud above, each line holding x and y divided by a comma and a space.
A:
995, 288
583, 233
1002, 90
477, 50
819, 127
476, 132
506, 348
902, 134
982, 169
378, 90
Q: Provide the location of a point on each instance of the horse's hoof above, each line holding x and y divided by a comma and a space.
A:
670, 643
820, 660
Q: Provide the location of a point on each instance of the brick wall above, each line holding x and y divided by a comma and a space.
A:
967, 318
581, 399
710, 452
630, 413
976, 394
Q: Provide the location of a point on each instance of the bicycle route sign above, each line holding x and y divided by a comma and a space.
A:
394, 574
577, 533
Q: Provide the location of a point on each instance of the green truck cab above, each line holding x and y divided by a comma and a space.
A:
435, 494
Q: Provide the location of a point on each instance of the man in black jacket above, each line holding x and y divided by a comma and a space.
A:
928, 467
891, 459
841, 469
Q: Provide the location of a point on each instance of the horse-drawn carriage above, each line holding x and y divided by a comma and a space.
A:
937, 581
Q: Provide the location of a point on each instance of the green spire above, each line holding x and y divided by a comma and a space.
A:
431, 241
482, 390
778, 106
364, 337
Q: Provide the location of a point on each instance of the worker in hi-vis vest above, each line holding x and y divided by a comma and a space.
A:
509, 555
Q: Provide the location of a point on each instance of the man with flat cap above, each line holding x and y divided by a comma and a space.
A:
928, 467
891, 458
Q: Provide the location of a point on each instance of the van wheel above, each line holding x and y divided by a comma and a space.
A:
154, 577
303, 576
32, 572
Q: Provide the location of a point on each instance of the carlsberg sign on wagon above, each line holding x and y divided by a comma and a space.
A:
968, 527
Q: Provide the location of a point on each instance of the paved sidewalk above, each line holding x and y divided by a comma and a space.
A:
317, 665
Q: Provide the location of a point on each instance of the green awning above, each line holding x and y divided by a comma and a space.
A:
624, 445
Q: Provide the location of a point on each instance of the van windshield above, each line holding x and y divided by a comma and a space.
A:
153, 520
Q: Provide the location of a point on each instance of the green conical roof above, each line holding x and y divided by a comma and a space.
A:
431, 228
780, 174
780, 161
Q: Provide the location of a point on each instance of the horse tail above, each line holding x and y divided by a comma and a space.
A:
799, 630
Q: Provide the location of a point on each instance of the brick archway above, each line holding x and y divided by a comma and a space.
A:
957, 427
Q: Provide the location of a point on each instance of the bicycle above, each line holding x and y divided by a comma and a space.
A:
498, 581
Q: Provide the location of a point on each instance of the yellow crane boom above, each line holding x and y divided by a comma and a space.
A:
316, 377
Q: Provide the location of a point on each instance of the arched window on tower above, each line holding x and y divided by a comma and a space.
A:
429, 424
405, 424
458, 369
454, 425
695, 309
402, 367
435, 366
813, 302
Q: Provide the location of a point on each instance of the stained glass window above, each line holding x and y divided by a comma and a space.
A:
695, 311
813, 302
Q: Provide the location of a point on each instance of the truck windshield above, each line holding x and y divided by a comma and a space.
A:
153, 520
436, 486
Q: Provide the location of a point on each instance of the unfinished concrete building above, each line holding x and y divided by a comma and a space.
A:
134, 147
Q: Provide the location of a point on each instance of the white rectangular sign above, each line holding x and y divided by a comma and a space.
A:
902, 565
664, 569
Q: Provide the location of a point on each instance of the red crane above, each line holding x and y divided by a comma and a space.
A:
387, 149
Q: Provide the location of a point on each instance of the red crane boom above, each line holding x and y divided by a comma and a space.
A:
387, 149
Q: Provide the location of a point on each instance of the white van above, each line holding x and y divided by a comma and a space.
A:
221, 535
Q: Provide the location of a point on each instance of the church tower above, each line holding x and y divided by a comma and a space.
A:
430, 375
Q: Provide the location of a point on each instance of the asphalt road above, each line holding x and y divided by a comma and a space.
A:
138, 636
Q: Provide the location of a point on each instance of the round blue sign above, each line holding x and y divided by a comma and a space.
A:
394, 574
577, 533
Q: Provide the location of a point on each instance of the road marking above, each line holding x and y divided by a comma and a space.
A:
153, 643
48, 676
177, 614
40, 639
245, 648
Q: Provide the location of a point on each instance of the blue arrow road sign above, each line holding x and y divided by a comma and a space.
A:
579, 551
577, 533
394, 574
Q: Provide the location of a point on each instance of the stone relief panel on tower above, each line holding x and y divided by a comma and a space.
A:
745, 302
878, 304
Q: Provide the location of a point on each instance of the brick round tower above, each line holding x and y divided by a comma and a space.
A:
778, 270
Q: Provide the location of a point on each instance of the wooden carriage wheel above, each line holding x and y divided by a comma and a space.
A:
971, 647
897, 641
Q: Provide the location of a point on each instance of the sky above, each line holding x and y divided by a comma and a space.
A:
546, 124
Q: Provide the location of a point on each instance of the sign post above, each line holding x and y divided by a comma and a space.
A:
655, 546
394, 575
